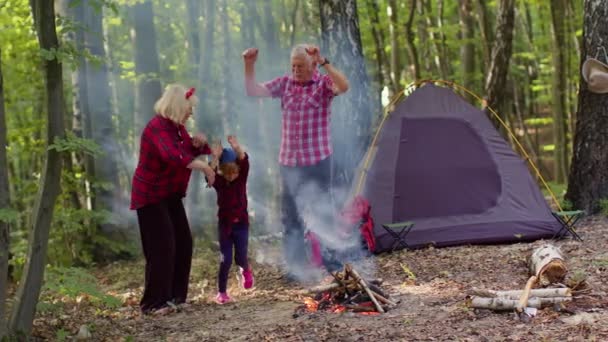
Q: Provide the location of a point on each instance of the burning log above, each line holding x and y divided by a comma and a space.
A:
356, 275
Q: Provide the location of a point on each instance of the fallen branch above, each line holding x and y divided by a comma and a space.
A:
523, 300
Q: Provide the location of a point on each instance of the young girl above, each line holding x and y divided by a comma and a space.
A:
231, 188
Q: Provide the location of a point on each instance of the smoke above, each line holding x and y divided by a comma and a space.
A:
257, 124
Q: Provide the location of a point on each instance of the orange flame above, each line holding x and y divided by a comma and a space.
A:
311, 304
338, 308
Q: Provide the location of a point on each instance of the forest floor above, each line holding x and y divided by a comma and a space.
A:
430, 283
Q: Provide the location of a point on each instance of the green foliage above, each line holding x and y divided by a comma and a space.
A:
62, 335
8, 215
538, 121
73, 284
604, 206
72, 143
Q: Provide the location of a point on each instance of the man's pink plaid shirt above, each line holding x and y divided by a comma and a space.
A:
305, 134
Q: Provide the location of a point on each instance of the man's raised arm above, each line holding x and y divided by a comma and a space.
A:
251, 87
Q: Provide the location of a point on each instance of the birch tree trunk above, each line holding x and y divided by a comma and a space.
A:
496, 78
588, 179
352, 111
4, 204
560, 72
439, 58
24, 307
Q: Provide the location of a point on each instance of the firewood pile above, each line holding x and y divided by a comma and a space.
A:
547, 267
349, 292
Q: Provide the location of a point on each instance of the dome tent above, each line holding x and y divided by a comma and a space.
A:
438, 161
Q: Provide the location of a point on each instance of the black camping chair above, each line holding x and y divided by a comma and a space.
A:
398, 231
568, 220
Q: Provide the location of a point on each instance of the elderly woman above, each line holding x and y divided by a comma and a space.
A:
306, 149
167, 156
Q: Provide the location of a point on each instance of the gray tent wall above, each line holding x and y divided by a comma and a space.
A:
438, 161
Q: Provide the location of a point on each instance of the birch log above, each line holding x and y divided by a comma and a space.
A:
500, 303
516, 294
547, 263
503, 304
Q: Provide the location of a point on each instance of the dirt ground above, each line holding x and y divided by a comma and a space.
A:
431, 285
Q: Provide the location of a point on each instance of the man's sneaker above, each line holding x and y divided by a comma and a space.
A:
222, 298
246, 278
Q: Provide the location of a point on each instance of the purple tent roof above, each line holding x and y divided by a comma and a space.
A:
440, 163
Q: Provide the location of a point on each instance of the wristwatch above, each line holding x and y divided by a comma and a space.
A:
325, 62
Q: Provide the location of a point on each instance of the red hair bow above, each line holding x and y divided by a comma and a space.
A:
190, 92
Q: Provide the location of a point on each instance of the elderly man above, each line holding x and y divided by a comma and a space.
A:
306, 149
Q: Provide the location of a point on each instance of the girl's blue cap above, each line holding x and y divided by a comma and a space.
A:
228, 156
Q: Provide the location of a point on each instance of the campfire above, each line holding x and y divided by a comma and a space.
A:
349, 292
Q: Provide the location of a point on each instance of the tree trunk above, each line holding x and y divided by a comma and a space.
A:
4, 204
147, 69
270, 29
383, 74
393, 25
24, 307
467, 49
353, 111
485, 29
560, 72
439, 58
205, 66
588, 180
81, 121
294, 22
496, 78
194, 41
414, 64
443, 40
228, 119
100, 113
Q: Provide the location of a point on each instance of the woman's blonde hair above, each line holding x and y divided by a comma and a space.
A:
173, 104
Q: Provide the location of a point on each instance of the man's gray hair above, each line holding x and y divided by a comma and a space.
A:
300, 51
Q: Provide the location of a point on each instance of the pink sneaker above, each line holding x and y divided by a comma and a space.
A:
246, 278
222, 298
